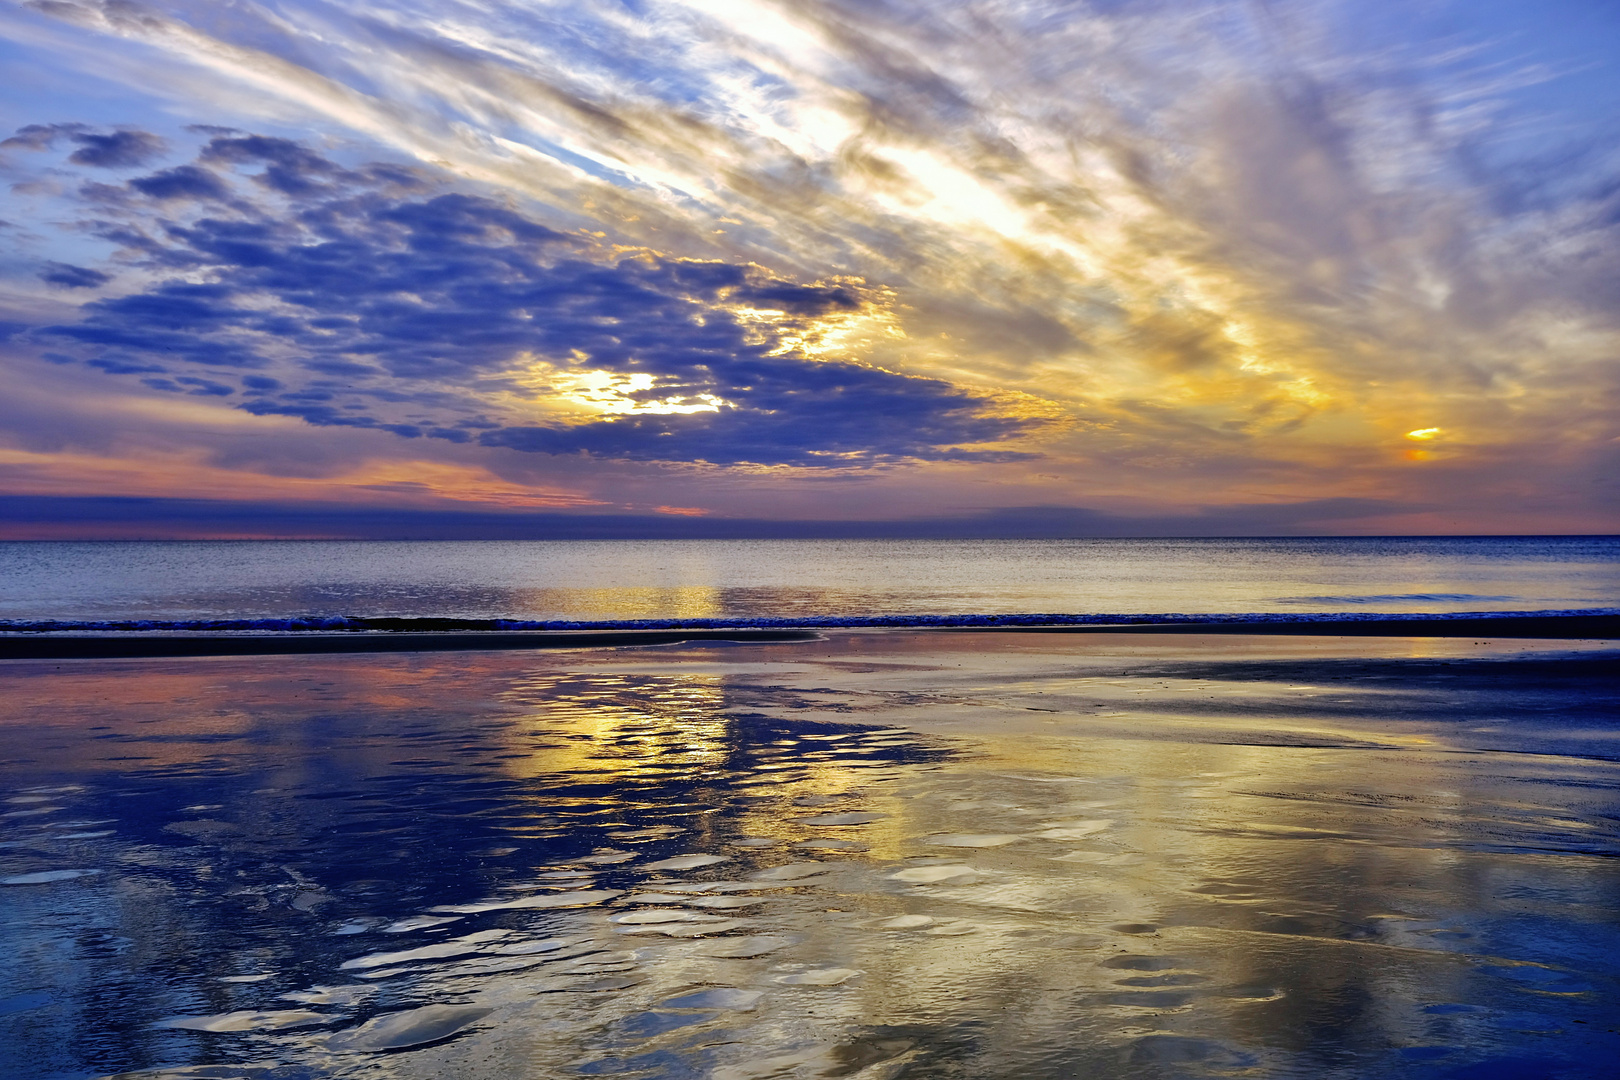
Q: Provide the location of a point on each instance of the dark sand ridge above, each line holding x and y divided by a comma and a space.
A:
157, 642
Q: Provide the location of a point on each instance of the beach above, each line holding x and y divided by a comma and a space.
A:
800, 539
874, 853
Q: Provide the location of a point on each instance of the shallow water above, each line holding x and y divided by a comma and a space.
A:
721, 579
881, 855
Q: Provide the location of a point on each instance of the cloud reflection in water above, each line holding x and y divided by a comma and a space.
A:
847, 858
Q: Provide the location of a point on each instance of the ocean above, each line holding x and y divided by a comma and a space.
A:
622, 581
867, 854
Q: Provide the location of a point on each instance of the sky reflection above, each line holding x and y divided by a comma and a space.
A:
877, 855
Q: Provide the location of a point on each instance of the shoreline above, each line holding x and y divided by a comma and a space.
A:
60, 644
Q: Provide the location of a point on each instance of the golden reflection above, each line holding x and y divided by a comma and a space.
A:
621, 725
639, 728
647, 602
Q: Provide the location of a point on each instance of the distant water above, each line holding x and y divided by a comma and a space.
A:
618, 581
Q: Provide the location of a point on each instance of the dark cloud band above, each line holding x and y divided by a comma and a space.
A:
370, 298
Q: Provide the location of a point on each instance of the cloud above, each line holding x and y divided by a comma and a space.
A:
122, 148
182, 182
370, 298
38, 136
67, 276
290, 168
43, 516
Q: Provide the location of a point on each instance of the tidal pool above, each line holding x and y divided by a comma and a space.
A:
881, 855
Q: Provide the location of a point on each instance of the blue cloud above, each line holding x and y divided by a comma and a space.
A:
179, 517
182, 182
67, 276
186, 384
289, 168
365, 298
119, 150
125, 148
38, 136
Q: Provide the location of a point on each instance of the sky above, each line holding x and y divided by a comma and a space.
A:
747, 267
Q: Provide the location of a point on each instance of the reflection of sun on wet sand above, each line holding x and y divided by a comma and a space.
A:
878, 854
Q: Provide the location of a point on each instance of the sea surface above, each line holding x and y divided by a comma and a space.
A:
878, 856
628, 581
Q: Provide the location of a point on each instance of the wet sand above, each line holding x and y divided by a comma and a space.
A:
876, 854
